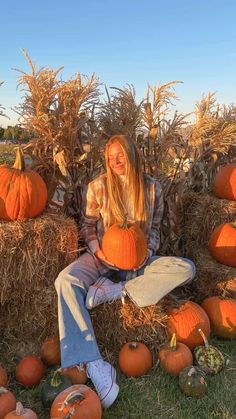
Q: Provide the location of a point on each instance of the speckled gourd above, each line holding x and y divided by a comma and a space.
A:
208, 357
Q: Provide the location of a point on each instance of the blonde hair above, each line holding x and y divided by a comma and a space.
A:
137, 195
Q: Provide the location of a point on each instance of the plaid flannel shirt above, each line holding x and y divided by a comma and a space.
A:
95, 213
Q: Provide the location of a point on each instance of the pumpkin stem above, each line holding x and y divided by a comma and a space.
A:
19, 409
3, 390
125, 224
173, 342
204, 338
56, 378
133, 345
19, 162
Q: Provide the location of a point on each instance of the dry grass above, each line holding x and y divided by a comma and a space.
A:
201, 214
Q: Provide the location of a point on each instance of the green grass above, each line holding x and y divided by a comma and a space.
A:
157, 395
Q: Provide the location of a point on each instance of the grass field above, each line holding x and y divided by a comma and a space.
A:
157, 395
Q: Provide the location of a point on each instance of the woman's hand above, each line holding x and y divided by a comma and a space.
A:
100, 255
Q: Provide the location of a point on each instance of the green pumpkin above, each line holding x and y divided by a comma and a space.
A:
208, 357
53, 386
192, 382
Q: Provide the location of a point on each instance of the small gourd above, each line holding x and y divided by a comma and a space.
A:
52, 387
208, 357
192, 382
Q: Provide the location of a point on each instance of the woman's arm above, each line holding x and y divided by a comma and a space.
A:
90, 217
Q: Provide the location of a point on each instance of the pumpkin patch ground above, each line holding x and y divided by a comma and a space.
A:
157, 394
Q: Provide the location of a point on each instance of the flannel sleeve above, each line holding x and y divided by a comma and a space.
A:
90, 216
154, 234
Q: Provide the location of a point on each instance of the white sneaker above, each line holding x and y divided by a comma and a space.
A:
102, 291
103, 376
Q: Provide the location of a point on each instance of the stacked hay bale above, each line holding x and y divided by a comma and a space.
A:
202, 213
32, 253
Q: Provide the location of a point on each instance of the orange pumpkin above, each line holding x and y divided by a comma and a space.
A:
222, 244
21, 413
30, 371
222, 315
175, 357
225, 182
23, 193
135, 359
76, 375
3, 377
185, 322
78, 402
50, 351
7, 402
125, 245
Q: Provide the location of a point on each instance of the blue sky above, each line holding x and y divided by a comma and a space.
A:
123, 41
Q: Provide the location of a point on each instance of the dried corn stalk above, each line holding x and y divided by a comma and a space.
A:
61, 116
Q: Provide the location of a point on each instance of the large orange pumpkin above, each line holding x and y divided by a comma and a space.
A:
185, 322
80, 401
125, 245
225, 182
222, 315
222, 244
23, 193
135, 359
175, 356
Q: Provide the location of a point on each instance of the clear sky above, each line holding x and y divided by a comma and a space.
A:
123, 41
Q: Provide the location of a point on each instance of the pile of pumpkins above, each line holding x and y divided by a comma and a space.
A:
222, 243
63, 391
188, 356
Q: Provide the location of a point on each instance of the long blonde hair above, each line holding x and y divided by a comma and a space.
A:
135, 180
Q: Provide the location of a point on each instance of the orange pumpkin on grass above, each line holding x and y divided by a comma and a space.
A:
77, 374
225, 182
77, 402
125, 245
222, 244
23, 193
7, 402
135, 359
50, 351
175, 356
222, 315
185, 322
21, 413
30, 371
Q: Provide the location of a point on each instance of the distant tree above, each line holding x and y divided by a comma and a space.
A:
1, 133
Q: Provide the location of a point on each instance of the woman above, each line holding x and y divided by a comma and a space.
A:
122, 191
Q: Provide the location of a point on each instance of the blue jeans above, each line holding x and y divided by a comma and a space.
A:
77, 338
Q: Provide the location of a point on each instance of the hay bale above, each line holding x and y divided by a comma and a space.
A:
213, 278
201, 214
32, 254
115, 324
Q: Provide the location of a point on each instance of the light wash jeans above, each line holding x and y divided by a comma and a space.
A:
77, 338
